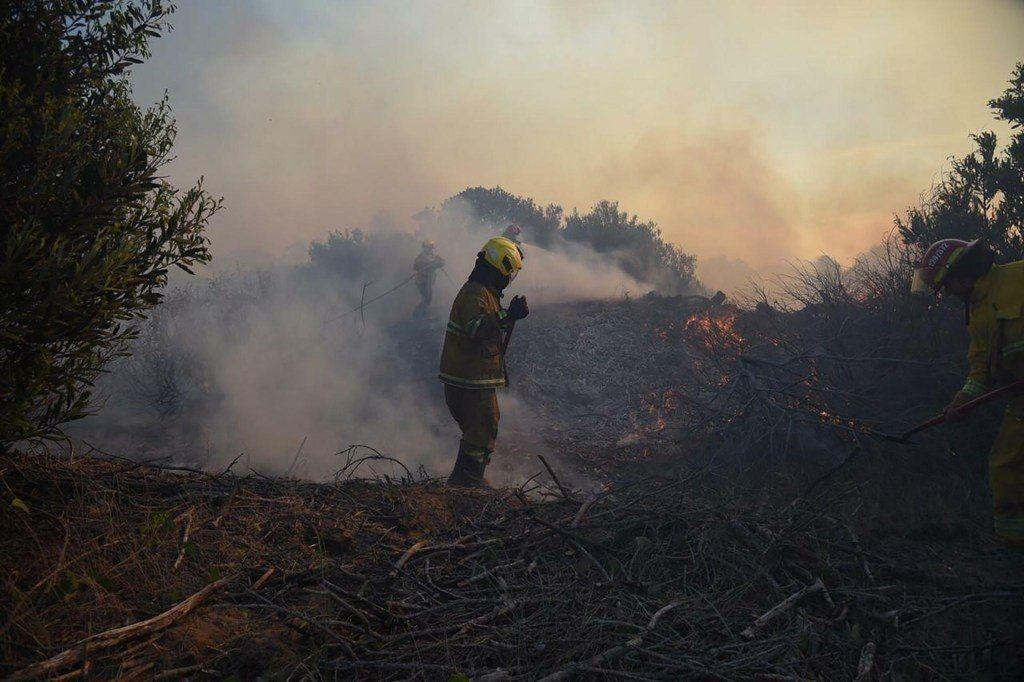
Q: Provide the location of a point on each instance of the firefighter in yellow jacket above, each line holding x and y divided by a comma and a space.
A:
472, 359
994, 295
425, 269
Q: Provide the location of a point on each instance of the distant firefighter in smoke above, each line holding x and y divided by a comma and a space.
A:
513, 232
425, 269
994, 295
473, 356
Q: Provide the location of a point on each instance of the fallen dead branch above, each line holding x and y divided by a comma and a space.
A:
565, 493
190, 516
262, 580
782, 607
613, 653
111, 638
679, 578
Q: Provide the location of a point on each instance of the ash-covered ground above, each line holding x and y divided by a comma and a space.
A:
115, 568
593, 384
724, 508
289, 392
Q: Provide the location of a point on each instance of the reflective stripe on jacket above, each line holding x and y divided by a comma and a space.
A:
996, 327
471, 356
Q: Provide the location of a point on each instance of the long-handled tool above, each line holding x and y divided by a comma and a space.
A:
1014, 387
504, 346
508, 337
970, 405
362, 304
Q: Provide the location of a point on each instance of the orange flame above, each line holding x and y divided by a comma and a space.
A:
716, 332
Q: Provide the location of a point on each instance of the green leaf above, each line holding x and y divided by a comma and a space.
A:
18, 503
67, 586
157, 521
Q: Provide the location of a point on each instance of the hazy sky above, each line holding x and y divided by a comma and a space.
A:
758, 130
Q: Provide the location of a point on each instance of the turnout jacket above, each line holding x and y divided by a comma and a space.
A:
472, 356
996, 326
426, 265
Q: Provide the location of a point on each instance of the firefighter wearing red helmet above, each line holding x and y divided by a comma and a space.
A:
513, 232
994, 295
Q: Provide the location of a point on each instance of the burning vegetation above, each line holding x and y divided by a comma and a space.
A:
687, 486
701, 520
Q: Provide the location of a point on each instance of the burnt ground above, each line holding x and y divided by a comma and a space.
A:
690, 574
672, 559
593, 385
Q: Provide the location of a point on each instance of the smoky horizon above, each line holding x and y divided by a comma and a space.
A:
751, 134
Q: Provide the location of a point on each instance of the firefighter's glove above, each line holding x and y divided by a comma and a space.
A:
517, 308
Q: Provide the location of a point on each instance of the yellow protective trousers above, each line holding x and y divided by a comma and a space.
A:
1006, 476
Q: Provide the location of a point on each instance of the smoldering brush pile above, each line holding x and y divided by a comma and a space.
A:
833, 365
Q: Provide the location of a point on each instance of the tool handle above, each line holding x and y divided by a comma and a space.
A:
508, 337
992, 395
923, 426
969, 405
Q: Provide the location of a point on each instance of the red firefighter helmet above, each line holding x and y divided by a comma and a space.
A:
512, 232
938, 262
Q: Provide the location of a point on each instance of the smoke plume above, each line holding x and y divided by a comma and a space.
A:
282, 364
745, 131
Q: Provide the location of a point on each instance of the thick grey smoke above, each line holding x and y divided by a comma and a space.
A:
743, 134
745, 131
277, 362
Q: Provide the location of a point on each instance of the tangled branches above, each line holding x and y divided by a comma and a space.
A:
685, 576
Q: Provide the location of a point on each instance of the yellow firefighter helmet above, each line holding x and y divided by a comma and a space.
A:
504, 255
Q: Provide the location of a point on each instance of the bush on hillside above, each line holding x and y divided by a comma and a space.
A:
636, 246
493, 209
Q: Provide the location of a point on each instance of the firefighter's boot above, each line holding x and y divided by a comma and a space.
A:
469, 470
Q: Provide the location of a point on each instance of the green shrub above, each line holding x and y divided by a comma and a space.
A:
637, 246
982, 196
354, 255
87, 226
492, 209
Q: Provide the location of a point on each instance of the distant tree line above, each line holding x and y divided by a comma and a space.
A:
635, 245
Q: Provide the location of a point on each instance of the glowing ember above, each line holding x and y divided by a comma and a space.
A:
716, 332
